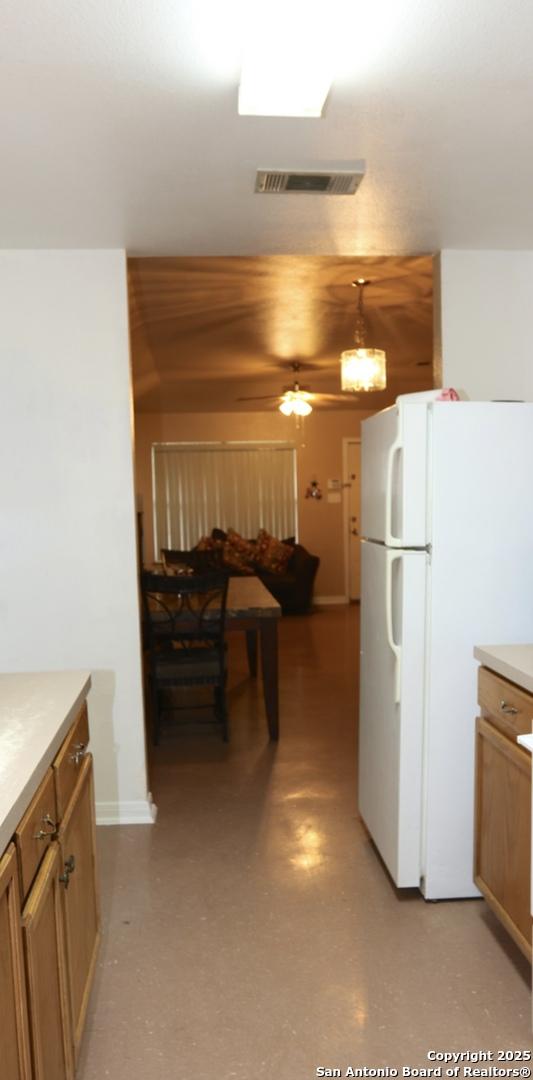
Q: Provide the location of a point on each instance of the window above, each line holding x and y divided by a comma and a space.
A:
245, 486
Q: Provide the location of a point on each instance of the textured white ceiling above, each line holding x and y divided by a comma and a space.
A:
119, 127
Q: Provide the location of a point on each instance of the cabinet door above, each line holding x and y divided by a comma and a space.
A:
42, 923
82, 922
14, 1036
503, 829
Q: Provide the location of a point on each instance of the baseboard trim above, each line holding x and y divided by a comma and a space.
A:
330, 600
143, 812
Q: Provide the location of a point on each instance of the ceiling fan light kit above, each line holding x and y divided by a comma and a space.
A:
298, 401
362, 368
295, 403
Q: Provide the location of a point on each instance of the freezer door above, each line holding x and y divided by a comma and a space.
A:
393, 602
393, 476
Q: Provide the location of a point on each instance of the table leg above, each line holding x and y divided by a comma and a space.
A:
269, 669
251, 649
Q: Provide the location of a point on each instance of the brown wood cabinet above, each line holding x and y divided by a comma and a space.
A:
503, 804
44, 940
80, 897
48, 951
14, 1036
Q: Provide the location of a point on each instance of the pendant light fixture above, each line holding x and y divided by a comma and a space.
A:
362, 368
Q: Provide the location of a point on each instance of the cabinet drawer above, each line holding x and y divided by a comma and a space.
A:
36, 831
510, 707
69, 760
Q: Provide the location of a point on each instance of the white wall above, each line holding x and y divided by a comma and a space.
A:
68, 579
484, 322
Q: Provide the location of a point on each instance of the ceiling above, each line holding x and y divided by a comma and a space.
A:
119, 128
206, 331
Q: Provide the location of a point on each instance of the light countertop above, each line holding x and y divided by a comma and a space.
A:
514, 662
36, 711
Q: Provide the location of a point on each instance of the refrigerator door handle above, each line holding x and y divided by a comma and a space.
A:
392, 556
394, 449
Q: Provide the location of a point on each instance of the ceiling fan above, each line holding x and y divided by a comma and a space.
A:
300, 400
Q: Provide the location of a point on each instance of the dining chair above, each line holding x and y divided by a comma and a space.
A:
200, 561
184, 619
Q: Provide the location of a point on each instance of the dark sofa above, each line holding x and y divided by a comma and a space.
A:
294, 588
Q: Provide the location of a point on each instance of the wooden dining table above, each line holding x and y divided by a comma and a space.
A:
252, 608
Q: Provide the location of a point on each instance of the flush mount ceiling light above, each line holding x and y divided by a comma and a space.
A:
287, 69
362, 368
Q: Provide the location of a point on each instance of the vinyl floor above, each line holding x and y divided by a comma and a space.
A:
253, 931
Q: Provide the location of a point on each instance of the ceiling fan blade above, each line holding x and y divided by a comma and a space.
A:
344, 399
266, 397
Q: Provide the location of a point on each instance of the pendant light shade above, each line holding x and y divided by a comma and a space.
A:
362, 368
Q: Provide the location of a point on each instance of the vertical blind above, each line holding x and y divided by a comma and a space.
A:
246, 486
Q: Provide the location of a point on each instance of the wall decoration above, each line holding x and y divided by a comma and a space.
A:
314, 491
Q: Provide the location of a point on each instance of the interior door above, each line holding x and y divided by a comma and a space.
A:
391, 705
352, 512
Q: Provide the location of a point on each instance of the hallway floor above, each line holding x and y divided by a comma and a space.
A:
254, 933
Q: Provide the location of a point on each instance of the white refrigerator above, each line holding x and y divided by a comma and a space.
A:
447, 563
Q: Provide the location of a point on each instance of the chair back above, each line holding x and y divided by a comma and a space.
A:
200, 561
185, 611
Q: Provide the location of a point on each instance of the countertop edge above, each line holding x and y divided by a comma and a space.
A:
18, 808
513, 662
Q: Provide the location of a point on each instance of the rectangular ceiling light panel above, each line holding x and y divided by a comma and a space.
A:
287, 68
291, 93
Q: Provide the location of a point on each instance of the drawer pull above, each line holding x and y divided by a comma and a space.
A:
80, 750
70, 866
509, 710
46, 834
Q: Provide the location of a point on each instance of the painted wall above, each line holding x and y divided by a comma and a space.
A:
483, 331
68, 586
319, 444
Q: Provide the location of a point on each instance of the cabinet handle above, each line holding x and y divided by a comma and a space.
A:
509, 710
70, 866
46, 834
80, 749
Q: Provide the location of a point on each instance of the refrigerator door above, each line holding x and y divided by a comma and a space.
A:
481, 591
391, 726
393, 471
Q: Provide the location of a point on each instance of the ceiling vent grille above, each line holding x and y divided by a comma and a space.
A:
308, 182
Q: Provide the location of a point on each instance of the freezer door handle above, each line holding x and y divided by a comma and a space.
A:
394, 449
392, 556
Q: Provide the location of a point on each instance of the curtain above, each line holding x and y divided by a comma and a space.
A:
247, 487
